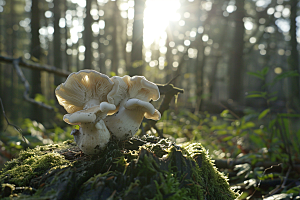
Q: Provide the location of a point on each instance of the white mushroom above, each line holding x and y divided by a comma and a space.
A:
84, 96
126, 122
93, 134
83, 90
134, 107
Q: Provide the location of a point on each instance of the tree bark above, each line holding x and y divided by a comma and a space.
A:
293, 99
137, 65
169, 56
88, 36
115, 60
35, 50
201, 59
57, 40
235, 69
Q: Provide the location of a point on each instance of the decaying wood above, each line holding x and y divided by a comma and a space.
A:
139, 168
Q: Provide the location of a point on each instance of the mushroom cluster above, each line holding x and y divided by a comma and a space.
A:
102, 106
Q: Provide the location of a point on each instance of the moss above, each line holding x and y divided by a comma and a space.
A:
143, 168
169, 188
32, 163
209, 183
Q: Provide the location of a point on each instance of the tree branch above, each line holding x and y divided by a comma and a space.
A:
169, 91
9, 124
27, 86
35, 66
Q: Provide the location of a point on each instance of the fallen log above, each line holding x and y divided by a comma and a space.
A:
139, 168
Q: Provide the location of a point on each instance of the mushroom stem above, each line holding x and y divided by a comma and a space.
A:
126, 122
92, 137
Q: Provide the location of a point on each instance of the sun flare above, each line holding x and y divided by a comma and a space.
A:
157, 15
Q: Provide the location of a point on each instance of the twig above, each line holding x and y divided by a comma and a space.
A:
282, 185
173, 79
9, 124
235, 115
261, 180
26, 84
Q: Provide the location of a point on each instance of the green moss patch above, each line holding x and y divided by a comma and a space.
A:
32, 163
140, 168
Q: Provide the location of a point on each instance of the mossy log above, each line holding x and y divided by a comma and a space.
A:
139, 168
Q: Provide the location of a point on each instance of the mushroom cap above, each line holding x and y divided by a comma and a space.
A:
139, 87
118, 92
83, 89
92, 114
148, 108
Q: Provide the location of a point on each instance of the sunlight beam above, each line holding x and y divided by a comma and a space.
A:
157, 15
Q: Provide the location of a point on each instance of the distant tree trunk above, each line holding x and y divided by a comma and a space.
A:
201, 59
115, 61
101, 61
57, 40
66, 36
2, 77
137, 65
218, 57
235, 69
8, 46
294, 59
88, 36
169, 56
35, 50
199, 70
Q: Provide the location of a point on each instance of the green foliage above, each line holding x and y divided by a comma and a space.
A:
35, 133
254, 138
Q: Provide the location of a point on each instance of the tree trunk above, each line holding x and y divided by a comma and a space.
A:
199, 70
88, 36
137, 65
201, 59
115, 61
101, 60
35, 50
293, 99
169, 56
218, 57
235, 69
57, 40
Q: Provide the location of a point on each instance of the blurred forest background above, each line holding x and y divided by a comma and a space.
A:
237, 61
